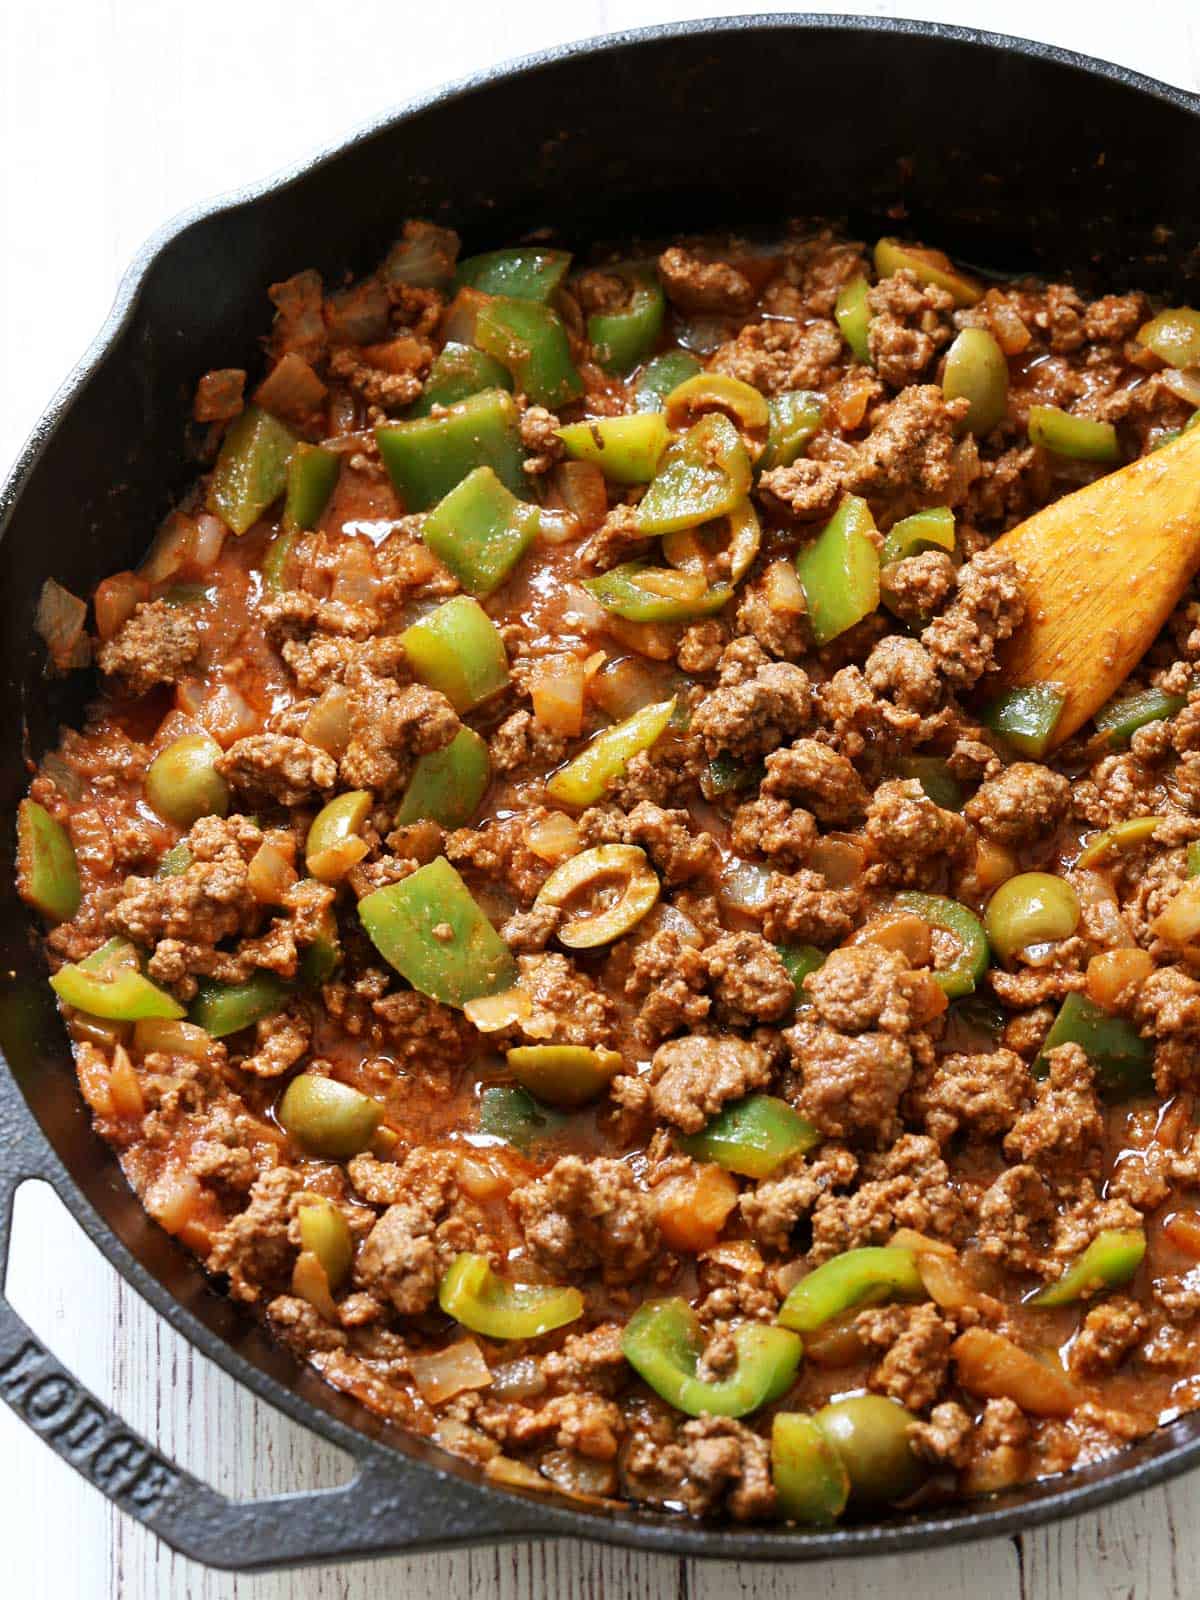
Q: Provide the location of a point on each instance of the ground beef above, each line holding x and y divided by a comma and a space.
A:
618, 538
694, 283
749, 980
154, 646
910, 323
1012, 1213
979, 1095
586, 1215
1065, 1123
271, 769
756, 715
1021, 803
1110, 1331
279, 1042
727, 1462
987, 608
803, 909
779, 356
909, 455
567, 1008
852, 1083
771, 827
917, 1343
679, 854
426, 1224
254, 1247
807, 491
591, 1360
943, 1441
390, 727
691, 1079
861, 988
819, 778
669, 976
907, 1186
539, 437
919, 585
776, 1204
911, 832
521, 741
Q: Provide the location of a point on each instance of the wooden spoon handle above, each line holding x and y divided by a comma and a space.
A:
1102, 570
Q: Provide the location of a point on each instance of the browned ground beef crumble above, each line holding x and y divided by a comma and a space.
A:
930, 1119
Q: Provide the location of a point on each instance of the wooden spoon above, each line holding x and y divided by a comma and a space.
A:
1102, 569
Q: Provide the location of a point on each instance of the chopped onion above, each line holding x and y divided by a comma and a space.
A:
59, 622
172, 1198
115, 599
583, 1478
270, 875
1179, 922
627, 684
491, 1012
557, 526
458, 320
94, 1085
673, 920
518, 1380
210, 536
328, 723
503, 1469
228, 715
557, 695
839, 861
1185, 383
443, 1373
554, 838
311, 1282
744, 884
172, 548
126, 1090
784, 590
425, 258
581, 485
64, 778
172, 1038
481, 1178
704, 334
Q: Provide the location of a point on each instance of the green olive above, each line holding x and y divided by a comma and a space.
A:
1032, 908
333, 845
870, 1434
328, 1118
617, 886
183, 784
977, 371
325, 1231
564, 1074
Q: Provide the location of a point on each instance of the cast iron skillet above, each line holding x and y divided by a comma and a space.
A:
1007, 153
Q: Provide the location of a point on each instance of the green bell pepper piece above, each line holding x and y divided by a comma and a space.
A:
620, 592
597, 767
1119, 720
525, 272
447, 784
321, 959
311, 475
934, 775
426, 458
1081, 438
1111, 1259
810, 1480
530, 340
47, 871
474, 1295
1174, 336
175, 862
794, 418
660, 376
274, 567
458, 372
924, 530
800, 960
512, 1114
189, 594
458, 650
480, 531
252, 468
854, 1278
705, 474
839, 571
620, 340
661, 1342
109, 984
1122, 1059
727, 776
752, 1137
626, 449
222, 1008
1026, 717
429, 928
854, 317
971, 963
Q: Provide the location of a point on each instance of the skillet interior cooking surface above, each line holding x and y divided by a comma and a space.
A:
1014, 155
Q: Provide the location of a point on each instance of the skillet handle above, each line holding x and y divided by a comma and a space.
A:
392, 1504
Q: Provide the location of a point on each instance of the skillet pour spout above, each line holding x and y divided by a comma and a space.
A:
1037, 160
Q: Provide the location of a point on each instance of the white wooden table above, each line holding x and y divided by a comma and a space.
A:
114, 117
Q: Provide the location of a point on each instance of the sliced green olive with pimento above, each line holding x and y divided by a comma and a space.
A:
47, 871
564, 1074
334, 844
457, 650
710, 393
705, 474
109, 983
839, 571
1122, 1059
601, 763
863, 1277
1029, 909
662, 1343
604, 893
182, 782
328, 1118
481, 1300
1111, 1259
626, 449
639, 592
447, 785
809, 1477
735, 539
964, 927
753, 1137
431, 930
